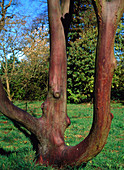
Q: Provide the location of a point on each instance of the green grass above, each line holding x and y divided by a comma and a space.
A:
16, 150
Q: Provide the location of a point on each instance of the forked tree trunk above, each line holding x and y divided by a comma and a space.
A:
49, 129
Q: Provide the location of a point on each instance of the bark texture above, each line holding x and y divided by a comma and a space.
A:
49, 129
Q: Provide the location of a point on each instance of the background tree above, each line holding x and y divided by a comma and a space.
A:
13, 40
49, 129
81, 50
5, 17
10, 46
81, 66
32, 74
118, 78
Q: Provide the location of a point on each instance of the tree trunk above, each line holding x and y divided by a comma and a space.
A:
49, 129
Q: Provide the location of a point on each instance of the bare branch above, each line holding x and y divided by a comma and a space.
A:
7, 6
4, 10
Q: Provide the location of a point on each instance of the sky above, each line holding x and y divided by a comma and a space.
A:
32, 8
29, 8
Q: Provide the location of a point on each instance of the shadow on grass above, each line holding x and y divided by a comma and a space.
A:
122, 102
29, 135
76, 167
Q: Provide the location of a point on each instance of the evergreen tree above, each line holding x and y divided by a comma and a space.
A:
81, 52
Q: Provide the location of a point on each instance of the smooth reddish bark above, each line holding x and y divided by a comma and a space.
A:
49, 129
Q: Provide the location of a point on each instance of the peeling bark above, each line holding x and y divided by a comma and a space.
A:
49, 129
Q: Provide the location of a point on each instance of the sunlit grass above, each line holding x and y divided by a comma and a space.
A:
16, 150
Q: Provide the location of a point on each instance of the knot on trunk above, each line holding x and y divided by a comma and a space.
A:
55, 91
56, 94
68, 121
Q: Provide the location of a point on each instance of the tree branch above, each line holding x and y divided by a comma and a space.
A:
8, 5
15, 113
65, 5
58, 47
4, 10
109, 16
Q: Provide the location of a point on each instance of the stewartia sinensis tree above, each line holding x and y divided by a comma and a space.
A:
50, 127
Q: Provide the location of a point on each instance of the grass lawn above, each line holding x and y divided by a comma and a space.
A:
16, 150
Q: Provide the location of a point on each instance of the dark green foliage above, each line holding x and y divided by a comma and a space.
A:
81, 50
118, 81
118, 78
12, 65
81, 53
30, 84
81, 67
16, 151
10, 62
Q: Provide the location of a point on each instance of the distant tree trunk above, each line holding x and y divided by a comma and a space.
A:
7, 87
5, 68
8, 72
49, 129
